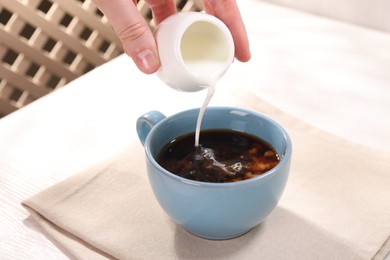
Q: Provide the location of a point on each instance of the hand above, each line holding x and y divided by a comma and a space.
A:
138, 41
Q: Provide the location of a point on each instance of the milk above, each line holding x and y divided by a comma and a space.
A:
208, 72
210, 93
204, 50
195, 50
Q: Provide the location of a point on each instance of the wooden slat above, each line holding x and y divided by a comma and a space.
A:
22, 83
89, 19
6, 107
37, 20
16, 44
193, 5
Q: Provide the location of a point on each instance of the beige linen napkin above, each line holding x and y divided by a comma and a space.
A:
336, 206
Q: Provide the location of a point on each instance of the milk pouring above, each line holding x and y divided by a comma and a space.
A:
195, 50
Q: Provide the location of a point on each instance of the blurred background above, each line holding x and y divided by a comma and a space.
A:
370, 13
45, 44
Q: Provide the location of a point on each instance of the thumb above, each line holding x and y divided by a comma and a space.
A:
133, 31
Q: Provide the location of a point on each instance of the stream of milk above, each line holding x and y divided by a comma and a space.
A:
206, 71
210, 93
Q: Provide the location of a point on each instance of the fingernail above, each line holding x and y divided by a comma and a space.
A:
147, 61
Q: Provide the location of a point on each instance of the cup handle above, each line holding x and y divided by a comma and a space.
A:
146, 122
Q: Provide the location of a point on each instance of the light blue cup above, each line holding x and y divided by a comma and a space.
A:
215, 210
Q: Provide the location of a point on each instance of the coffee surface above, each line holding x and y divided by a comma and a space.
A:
222, 156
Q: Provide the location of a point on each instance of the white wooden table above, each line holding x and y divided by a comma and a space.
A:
330, 74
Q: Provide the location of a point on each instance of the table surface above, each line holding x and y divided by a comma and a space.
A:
330, 74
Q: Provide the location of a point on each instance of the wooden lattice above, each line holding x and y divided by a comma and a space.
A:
45, 44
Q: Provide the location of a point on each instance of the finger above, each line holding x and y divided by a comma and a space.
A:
133, 31
161, 9
227, 11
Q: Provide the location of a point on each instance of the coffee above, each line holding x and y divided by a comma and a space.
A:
222, 156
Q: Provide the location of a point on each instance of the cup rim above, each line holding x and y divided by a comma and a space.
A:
287, 153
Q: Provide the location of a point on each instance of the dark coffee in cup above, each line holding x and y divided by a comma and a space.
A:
222, 156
